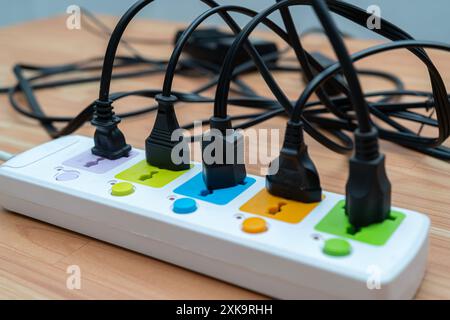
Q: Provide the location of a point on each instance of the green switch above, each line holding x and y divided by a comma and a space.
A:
336, 223
122, 189
337, 247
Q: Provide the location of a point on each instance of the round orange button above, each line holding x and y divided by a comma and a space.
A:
254, 225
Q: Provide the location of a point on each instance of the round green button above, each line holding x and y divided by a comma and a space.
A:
337, 247
122, 189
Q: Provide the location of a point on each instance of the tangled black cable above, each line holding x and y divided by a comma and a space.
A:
402, 135
333, 114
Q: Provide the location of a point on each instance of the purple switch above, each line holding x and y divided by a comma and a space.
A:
67, 175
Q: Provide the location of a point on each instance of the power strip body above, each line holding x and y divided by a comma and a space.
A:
286, 261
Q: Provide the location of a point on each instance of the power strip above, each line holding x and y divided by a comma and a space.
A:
241, 235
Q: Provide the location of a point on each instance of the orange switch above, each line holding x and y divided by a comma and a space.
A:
254, 225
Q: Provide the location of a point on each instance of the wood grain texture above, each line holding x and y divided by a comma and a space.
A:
34, 256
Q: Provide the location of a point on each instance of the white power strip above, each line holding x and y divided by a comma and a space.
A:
288, 255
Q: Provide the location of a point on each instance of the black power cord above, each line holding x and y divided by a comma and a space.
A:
315, 117
405, 136
375, 199
160, 145
76, 122
149, 109
109, 140
368, 190
37, 112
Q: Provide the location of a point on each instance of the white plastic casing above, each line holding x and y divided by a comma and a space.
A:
284, 262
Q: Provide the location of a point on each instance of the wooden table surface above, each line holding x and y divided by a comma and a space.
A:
34, 256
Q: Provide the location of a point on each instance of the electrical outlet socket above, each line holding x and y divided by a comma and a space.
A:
196, 188
270, 206
336, 222
150, 176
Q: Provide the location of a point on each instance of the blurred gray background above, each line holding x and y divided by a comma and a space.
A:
424, 19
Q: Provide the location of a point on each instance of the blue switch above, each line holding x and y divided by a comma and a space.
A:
184, 206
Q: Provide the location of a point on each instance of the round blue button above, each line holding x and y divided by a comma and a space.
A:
184, 206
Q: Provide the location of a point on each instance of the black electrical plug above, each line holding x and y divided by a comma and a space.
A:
368, 191
295, 175
109, 140
159, 147
223, 156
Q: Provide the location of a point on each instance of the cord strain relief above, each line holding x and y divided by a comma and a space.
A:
166, 102
366, 145
294, 138
221, 124
104, 110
